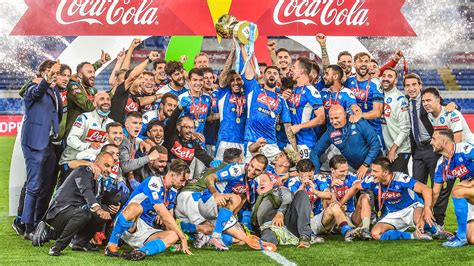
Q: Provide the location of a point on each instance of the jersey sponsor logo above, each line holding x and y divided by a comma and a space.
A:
391, 195
63, 97
341, 191
239, 189
454, 119
131, 106
262, 98
359, 94
460, 171
335, 134
198, 109
440, 127
387, 110
94, 135
181, 152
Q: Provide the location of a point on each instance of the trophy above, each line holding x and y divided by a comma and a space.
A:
242, 32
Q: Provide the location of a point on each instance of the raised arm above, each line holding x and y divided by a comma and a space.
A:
227, 67
128, 57
321, 38
117, 67
140, 68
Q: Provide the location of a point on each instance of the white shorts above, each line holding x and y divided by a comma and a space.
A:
223, 145
269, 150
470, 212
196, 168
304, 151
402, 219
209, 211
317, 224
141, 234
187, 208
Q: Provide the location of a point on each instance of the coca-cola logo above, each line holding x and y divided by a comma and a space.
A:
272, 103
460, 171
181, 152
321, 12
107, 12
94, 135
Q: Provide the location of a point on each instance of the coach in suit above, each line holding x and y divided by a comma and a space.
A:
43, 113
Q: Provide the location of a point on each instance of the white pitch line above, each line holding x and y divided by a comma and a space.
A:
279, 258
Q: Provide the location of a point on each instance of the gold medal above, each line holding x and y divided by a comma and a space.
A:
366, 106
237, 120
445, 184
196, 123
294, 111
278, 127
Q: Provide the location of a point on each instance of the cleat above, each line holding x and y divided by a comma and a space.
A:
28, 236
441, 233
201, 240
134, 255
18, 227
256, 243
111, 250
41, 234
217, 243
316, 239
419, 236
305, 242
362, 234
54, 251
87, 248
455, 243
349, 236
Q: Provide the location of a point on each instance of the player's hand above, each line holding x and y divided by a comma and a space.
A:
134, 183
145, 147
184, 245
123, 187
335, 182
135, 42
104, 57
53, 72
283, 179
428, 216
392, 154
286, 94
271, 46
450, 107
278, 220
261, 142
220, 199
321, 38
215, 163
183, 59
153, 55
154, 155
95, 169
397, 56
295, 129
121, 55
362, 171
199, 136
104, 215
185, 102
355, 118
95, 145
113, 209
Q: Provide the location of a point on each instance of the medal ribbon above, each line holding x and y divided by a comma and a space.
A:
196, 111
239, 104
448, 164
266, 100
381, 196
367, 87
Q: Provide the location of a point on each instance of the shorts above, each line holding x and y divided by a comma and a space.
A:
187, 208
402, 219
269, 150
223, 145
317, 224
209, 211
141, 234
470, 212
304, 151
196, 168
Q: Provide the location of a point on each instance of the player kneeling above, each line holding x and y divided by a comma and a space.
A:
152, 199
402, 208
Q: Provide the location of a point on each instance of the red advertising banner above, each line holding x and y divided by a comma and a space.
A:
193, 17
10, 124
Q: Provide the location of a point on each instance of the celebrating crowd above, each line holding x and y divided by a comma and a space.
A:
259, 156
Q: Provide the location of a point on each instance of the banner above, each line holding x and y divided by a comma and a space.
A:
193, 17
10, 124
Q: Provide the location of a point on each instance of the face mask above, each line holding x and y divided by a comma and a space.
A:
102, 113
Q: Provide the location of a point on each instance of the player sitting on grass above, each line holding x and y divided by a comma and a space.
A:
151, 200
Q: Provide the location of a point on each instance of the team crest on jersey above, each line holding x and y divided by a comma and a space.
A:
273, 103
387, 110
389, 100
442, 120
94, 135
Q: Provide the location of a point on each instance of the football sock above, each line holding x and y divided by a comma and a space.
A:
366, 222
344, 228
227, 239
121, 225
460, 209
222, 218
188, 228
153, 247
395, 235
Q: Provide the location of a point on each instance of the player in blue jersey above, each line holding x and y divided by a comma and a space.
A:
368, 94
397, 201
457, 161
152, 199
306, 107
177, 86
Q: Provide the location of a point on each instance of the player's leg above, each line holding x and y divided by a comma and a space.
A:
394, 225
461, 192
124, 221
334, 215
363, 211
155, 244
379, 229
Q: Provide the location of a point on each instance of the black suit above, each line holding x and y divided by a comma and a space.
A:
69, 213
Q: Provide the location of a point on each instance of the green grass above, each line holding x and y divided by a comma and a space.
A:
15, 250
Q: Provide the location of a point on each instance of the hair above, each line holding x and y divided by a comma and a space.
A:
134, 114
338, 70
287, 83
372, 60
158, 62
392, 69
196, 71
81, 65
232, 155
173, 66
362, 54
315, 66
262, 64
179, 167
154, 122
64, 67
148, 73
112, 124
337, 160
448, 133
45, 65
282, 50
261, 159
271, 67
306, 64
169, 95
412, 76
201, 54
342, 54
207, 70
107, 146
229, 76
101, 155
431, 90
291, 159
305, 165
160, 149
180, 120
384, 162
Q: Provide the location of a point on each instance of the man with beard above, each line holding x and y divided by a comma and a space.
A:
160, 75
155, 133
168, 103
335, 93
265, 105
369, 96
283, 61
177, 85
306, 107
147, 97
88, 131
344, 58
395, 123
357, 142
153, 168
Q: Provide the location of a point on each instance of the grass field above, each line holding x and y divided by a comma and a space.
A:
15, 250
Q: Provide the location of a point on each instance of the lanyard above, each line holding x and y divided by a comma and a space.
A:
195, 111
239, 104
297, 98
266, 100
381, 196
330, 97
448, 164
132, 149
367, 87
165, 198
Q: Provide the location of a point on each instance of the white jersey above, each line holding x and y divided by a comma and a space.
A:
454, 121
396, 121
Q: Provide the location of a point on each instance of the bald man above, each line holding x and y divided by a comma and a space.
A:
357, 142
88, 131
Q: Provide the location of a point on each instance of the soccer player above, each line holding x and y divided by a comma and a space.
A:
177, 85
153, 199
160, 75
457, 161
168, 103
147, 97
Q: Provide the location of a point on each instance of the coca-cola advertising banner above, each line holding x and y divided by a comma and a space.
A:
193, 17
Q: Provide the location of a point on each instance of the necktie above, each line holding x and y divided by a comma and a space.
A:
416, 128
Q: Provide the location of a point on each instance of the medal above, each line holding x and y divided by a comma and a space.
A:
278, 127
196, 123
272, 114
445, 185
294, 111
366, 106
237, 120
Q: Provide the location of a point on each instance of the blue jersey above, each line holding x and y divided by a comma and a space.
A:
320, 84
265, 106
211, 128
167, 89
302, 104
461, 164
199, 109
146, 119
344, 97
366, 95
340, 191
399, 195
233, 115
320, 184
150, 192
230, 180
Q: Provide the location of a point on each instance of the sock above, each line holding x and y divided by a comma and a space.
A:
222, 218
153, 247
227, 239
247, 219
431, 229
188, 228
344, 228
460, 209
395, 235
366, 222
121, 225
